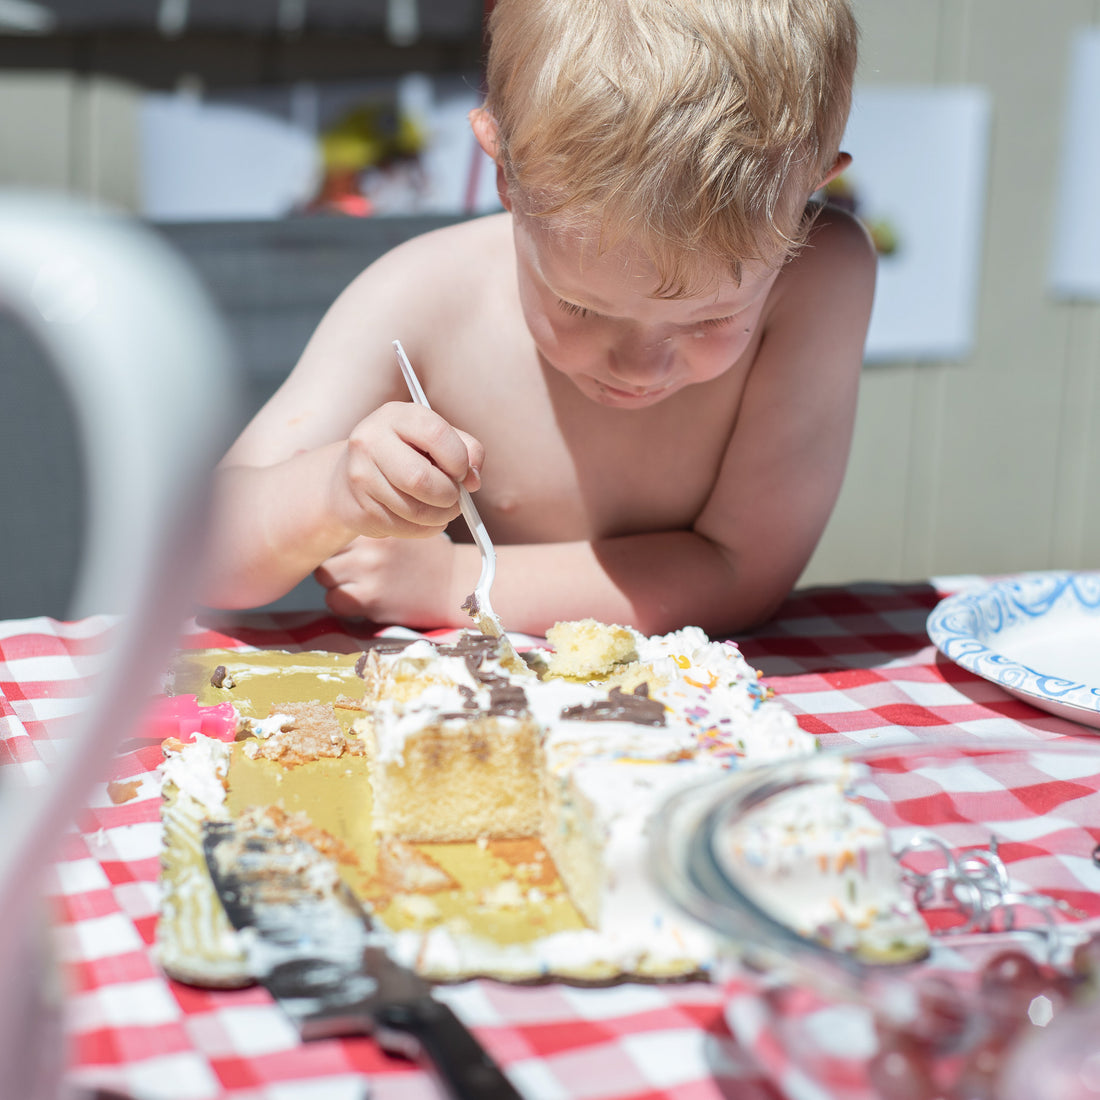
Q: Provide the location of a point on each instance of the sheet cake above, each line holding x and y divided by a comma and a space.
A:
494, 821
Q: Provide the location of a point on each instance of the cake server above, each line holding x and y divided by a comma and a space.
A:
309, 941
478, 605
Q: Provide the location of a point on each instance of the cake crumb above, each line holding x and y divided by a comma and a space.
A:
404, 868
310, 731
119, 791
418, 910
346, 702
299, 824
587, 649
504, 895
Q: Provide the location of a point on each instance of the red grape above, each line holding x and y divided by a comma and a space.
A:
899, 1074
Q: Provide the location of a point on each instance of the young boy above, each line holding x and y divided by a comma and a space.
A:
647, 366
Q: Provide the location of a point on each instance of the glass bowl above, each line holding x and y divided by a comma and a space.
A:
920, 918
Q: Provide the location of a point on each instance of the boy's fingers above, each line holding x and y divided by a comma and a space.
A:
407, 474
427, 432
448, 450
456, 453
475, 457
404, 516
399, 490
420, 478
429, 500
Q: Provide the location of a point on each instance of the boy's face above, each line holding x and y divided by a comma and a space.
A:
594, 318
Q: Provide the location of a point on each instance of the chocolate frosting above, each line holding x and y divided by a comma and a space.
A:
473, 648
505, 697
382, 645
620, 706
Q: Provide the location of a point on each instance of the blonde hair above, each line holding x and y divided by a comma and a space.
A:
697, 128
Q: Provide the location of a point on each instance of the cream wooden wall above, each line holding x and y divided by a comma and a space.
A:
984, 465
990, 464
62, 132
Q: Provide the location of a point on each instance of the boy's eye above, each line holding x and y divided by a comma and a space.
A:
572, 308
575, 310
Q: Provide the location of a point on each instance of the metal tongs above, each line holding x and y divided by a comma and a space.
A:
478, 604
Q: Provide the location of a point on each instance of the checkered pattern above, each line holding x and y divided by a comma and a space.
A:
853, 664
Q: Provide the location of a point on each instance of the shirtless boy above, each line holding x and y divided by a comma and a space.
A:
647, 367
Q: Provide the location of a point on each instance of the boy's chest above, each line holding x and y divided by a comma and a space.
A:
582, 472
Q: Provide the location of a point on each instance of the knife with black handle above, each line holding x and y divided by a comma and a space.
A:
311, 944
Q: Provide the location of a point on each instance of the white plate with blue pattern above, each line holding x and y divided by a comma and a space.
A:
1036, 635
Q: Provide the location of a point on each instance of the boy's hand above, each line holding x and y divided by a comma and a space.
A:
392, 581
400, 472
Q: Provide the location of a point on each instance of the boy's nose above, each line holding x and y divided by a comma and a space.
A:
642, 362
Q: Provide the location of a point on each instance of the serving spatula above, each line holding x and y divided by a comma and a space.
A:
309, 941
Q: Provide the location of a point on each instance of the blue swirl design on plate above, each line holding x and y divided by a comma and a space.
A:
965, 627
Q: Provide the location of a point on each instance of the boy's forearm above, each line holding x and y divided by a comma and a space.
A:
655, 582
271, 527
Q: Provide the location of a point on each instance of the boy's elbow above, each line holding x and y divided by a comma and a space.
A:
742, 601
726, 606
742, 616
225, 597
236, 591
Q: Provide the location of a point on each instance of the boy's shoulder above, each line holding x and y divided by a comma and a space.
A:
838, 235
435, 277
457, 256
838, 254
458, 241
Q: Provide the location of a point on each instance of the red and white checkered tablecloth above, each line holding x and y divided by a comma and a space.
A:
853, 663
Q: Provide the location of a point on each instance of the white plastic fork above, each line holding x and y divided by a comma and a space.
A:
477, 605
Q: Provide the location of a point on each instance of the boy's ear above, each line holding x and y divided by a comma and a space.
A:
484, 127
485, 130
839, 165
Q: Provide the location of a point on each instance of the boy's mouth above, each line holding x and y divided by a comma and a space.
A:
633, 396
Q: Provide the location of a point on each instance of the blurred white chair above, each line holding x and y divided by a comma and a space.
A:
142, 355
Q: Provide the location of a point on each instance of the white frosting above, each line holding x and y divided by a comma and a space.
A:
651, 947
432, 685
394, 726
263, 728
199, 770
414, 656
819, 862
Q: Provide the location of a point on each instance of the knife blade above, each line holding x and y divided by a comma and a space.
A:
310, 942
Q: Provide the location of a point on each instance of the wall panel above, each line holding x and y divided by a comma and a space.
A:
36, 130
1003, 461
872, 528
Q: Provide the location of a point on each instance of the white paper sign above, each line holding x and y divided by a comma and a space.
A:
212, 161
255, 153
1075, 261
920, 165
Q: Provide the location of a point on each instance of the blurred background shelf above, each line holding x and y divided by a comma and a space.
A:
225, 43
273, 281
